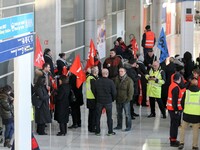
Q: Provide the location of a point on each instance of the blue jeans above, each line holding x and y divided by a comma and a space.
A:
126, 107
108, 108
9, 130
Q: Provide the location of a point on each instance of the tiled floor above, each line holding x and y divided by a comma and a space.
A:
146, 133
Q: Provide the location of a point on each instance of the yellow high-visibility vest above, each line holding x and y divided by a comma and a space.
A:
192, 103
89, 94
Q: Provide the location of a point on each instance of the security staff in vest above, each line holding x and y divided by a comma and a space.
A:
191, 114
91, 102
174, 107
148, 40
156, 78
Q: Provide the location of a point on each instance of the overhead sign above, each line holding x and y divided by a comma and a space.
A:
16, 25
16, 47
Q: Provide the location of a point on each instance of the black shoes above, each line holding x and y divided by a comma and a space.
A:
109, 134
132, 117
181, 146
135, 115
127, 129
117, 128
74, 126
42, 133
164, 116
195, 148
151, 115
61, 134
174, 143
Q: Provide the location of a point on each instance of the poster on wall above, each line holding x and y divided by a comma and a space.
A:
101, 38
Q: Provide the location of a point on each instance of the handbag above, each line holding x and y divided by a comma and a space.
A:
72, 96
36, 101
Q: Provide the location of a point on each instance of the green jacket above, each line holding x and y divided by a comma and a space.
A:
124, 89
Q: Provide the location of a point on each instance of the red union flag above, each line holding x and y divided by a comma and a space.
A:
38, 57
91, 54
77, 70
134, 46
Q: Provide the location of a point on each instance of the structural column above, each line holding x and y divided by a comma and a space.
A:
90, 23
22, 102
94, 10
187, 27
134, 19
157, 21
48, 24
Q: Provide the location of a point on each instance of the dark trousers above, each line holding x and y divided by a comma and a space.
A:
9, 130
40, 128
63, 127
92, 120
76, 114
135, 100
126, 107
174, 124
108, 108
160, 104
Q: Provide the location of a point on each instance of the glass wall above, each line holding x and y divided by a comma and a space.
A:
7, 68
72, 26
113, 7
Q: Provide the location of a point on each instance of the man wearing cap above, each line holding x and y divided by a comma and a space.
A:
148, 40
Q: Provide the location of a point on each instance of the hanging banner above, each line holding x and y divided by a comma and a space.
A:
101, 38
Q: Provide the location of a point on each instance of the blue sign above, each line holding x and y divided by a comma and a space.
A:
16, 25
16, 47
186, 0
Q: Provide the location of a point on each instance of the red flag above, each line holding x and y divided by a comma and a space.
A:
38, 57
140, 96
92, 53
65, 71
134, 46
77, 70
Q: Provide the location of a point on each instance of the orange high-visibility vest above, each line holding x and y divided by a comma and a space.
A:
169, 99
149, 43
181, 90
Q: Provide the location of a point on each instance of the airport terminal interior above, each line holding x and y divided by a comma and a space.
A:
67, 26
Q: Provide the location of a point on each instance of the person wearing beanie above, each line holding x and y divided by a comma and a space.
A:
148, 40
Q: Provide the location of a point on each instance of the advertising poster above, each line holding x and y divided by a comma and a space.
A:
101, 38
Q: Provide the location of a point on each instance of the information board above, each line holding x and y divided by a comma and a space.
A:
16, 25
16, 47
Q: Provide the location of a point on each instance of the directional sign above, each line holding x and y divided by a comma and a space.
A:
16, 47
16, 25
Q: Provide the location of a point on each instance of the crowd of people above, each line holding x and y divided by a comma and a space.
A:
124, 77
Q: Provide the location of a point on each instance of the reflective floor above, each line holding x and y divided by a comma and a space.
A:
146, 133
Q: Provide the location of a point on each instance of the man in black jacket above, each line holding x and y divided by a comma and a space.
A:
105, 92
132, 73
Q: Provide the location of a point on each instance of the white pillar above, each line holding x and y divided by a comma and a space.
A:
187, 27
22, 102
90, 23
157, 22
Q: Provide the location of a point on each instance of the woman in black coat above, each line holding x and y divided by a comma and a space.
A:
62, 99
48, 59
61, 62
75, 106
42, 114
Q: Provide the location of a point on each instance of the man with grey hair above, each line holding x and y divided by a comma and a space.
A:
91, 101
124, 86
156, 78
104, 92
